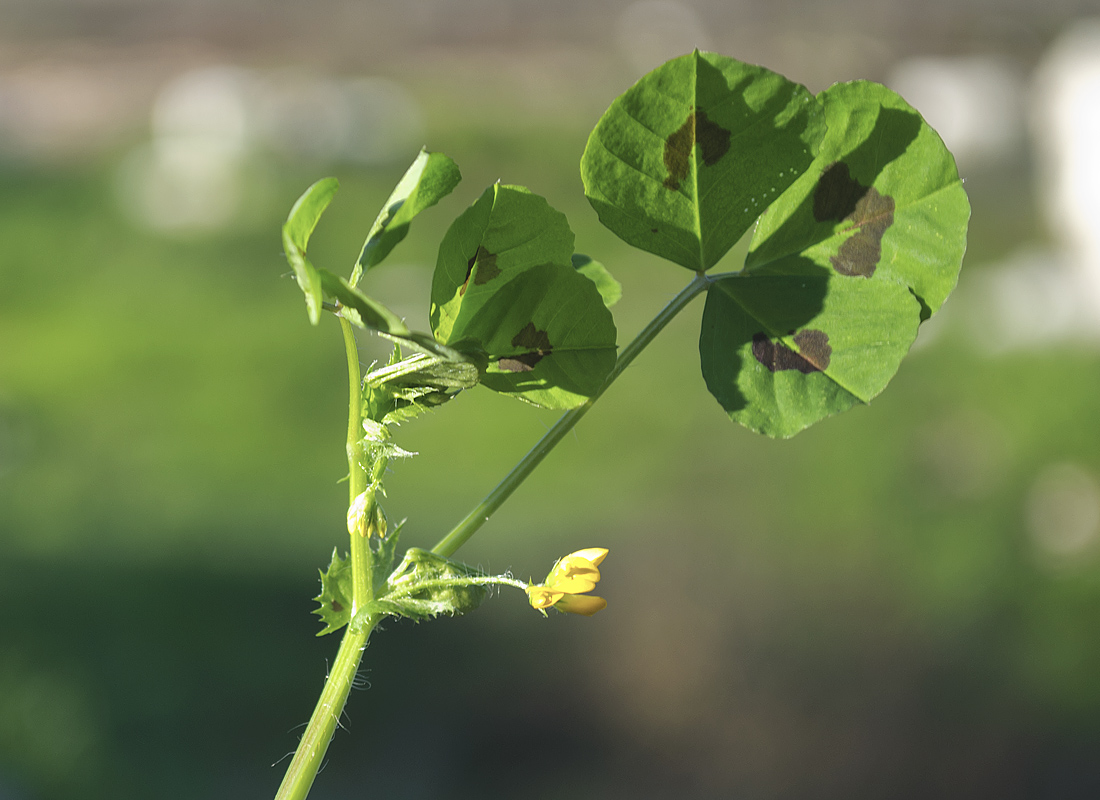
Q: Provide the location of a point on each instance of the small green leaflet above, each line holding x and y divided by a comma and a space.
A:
506, 292
431, 177
683, 162
316, 283
841, 271
610, 289
296, 232
335, 596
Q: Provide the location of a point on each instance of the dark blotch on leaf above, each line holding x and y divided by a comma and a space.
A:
860, 254
813, 345
524, 362
777, 357
486, 264
839, 196
713, 139
337, 606
533, 339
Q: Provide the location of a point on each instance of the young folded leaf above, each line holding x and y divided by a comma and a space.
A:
431, 177
426, 585
683, 162
297, 229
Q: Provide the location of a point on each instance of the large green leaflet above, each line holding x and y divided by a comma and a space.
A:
505, 290
856, 254
883, 200
684, 162
781, 352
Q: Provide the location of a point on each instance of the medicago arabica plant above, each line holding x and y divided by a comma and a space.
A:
860, 227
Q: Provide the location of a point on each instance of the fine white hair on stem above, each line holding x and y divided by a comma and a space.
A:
282, 758
360, 681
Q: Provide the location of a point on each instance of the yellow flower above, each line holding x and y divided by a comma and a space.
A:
567, 582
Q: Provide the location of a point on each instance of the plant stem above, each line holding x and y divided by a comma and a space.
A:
357, 476
322, 724
326, 715
495, 499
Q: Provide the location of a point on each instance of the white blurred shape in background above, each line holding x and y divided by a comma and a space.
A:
1038, 296
650, 32
1066, 122
363, 120
210, 126
1063, 511
975, 103
189, 176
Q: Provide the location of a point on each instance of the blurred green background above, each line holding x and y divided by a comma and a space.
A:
902, 602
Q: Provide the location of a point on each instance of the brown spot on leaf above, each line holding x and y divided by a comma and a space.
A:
813, 345
776, 356
713, 139
860, 254
839, 196
525, 362
486, 264
533, 339
336, 606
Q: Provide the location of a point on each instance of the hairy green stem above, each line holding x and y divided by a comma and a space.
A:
442, 583
495, 499
326, 715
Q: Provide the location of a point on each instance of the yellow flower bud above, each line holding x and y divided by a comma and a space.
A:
567, 582
585, 604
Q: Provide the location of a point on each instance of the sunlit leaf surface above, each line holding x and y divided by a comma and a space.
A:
506, 290
842, 269
682, 163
